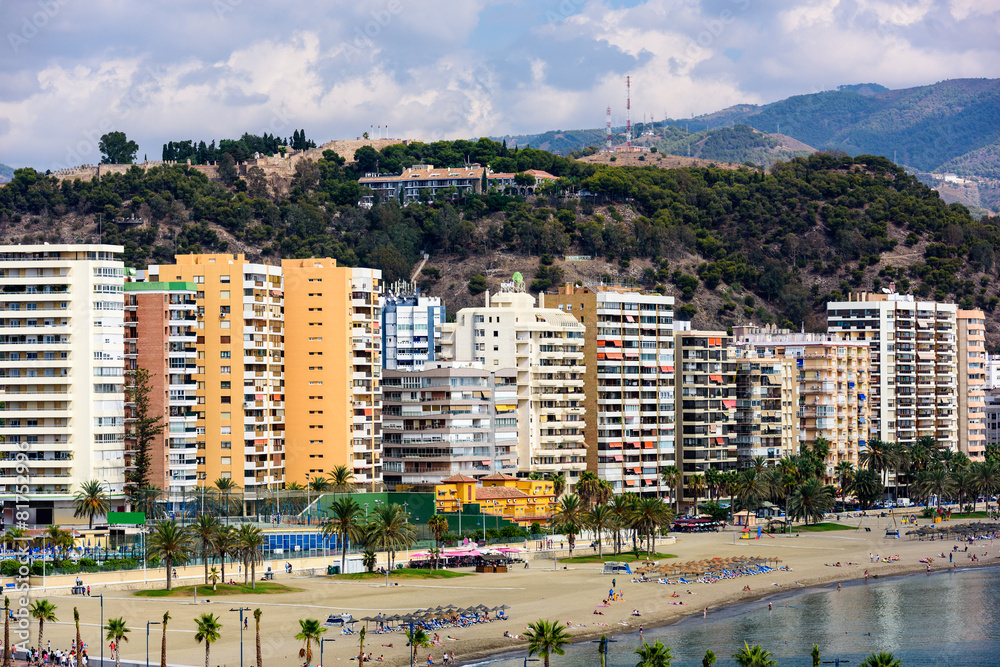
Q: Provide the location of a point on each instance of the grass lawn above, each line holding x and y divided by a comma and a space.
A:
414, 573
627, 557
970, 515
263, 588
822, 527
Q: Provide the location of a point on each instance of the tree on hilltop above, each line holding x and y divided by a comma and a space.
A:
116, 148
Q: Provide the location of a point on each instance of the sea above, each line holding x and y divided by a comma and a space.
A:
940, 619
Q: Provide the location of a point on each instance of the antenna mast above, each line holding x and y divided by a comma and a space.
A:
607, 145
628, 112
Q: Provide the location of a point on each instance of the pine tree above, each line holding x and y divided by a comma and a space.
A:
142, 429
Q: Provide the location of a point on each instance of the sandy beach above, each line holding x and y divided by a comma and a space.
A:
569, 594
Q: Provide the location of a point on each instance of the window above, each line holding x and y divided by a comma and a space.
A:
225, 384
227, 430
225, 370
224, 294
225, 354
224, 324
226, 444
225, 416
223, 279
226, 460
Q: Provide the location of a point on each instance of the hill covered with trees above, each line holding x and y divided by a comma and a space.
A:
732, 245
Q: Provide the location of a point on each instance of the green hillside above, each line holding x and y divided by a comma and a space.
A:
732, 245
6, 173
740, 144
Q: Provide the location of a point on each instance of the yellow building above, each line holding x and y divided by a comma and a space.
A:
240, 369
972, 383
333, 369
520, 500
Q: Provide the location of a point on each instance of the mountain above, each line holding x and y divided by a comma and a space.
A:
733, 245
740, 144
950, 126
6, 173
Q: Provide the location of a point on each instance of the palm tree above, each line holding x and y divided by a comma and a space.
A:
545, 638
226, 486
76, 622
256, 621
250, 541
310, 631
751, 488
814, 654
697, 485
208, 631
163, 640
753, 656
42, 611
713, 479
319, 485
964, 484
672, 478
987, 476
867, 487
558, 484
6, 631
225, 545
172, 543
587, 486
204, 530
12, 536
649, 515
117, 633
91, 501
621, 510
346, 522
709, 659
342, 479
391, 530
568, 517
58, 538
438, 525
601, 519
368, 559
935, 481
653, 655
845, 474
810, 500
214, 576
417, 638
881, 659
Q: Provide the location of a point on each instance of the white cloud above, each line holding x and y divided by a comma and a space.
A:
421, 67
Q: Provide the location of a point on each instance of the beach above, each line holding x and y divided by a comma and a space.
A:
569, 594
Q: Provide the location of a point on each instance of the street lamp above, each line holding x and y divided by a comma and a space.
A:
241, 610
602, 647
149, 623
100, 634
322, 641
308, 500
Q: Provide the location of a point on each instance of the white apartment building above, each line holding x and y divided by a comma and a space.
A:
61, 370
629, 383
914, 363
411, 329
545, 346
366, 314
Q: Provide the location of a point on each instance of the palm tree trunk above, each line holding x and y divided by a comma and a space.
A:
260, 655
163, 647
253, 574
222, 561
343, 554
169, 561
204, 557
41, 631
208, 648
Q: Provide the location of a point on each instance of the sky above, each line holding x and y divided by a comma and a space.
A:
72, 70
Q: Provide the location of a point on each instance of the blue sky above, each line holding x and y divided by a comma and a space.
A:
441, 69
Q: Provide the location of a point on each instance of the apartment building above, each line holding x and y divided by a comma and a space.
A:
767, 401
424, 182
705, 390
628, 382
992, 371
914, 363
972, 383
240, 425
61, 377
452, 418
160, 337
411, 329
524, 501
991, 412
833, 377
545, 346
333, 366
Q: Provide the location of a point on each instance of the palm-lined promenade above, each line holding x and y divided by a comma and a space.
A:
566, 596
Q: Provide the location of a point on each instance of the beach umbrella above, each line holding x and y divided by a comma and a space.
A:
503, 606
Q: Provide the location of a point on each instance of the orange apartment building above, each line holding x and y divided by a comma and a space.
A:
520, 500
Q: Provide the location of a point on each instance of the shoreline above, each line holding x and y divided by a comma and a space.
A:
485, 655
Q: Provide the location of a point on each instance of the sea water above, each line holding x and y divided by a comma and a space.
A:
942, 619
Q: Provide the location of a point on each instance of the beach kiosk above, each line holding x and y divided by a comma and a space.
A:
616, 567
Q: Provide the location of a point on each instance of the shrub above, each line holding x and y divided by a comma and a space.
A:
477, 284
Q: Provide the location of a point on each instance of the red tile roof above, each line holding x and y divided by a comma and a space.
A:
491, 492
455, 479
500, 477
